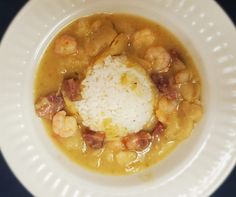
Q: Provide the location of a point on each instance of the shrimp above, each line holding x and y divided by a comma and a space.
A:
65, 45
64, 126
177, 61
83, 28
159, 58
143, 39
167, 105
182, 76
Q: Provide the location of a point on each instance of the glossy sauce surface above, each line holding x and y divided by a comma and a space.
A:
178, 115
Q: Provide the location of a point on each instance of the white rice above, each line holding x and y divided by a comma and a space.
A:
116, 99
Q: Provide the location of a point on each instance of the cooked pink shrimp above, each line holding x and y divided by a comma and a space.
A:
83, 27
159, 58
143, 38
65, 45
64, 126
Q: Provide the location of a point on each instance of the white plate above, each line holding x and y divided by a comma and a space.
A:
196, 168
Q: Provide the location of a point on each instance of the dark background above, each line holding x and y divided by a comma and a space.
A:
9, 185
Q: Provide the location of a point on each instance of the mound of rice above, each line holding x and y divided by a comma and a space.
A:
116, 98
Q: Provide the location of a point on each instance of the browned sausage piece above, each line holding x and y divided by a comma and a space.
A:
172, 93
70, 88
47, 106
174, 54
164, 85
161, 81
158, 130
137, 141
94, 139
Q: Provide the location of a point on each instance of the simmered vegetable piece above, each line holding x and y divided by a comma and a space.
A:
47, 106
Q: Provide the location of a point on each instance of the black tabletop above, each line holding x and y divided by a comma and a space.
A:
9, 185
